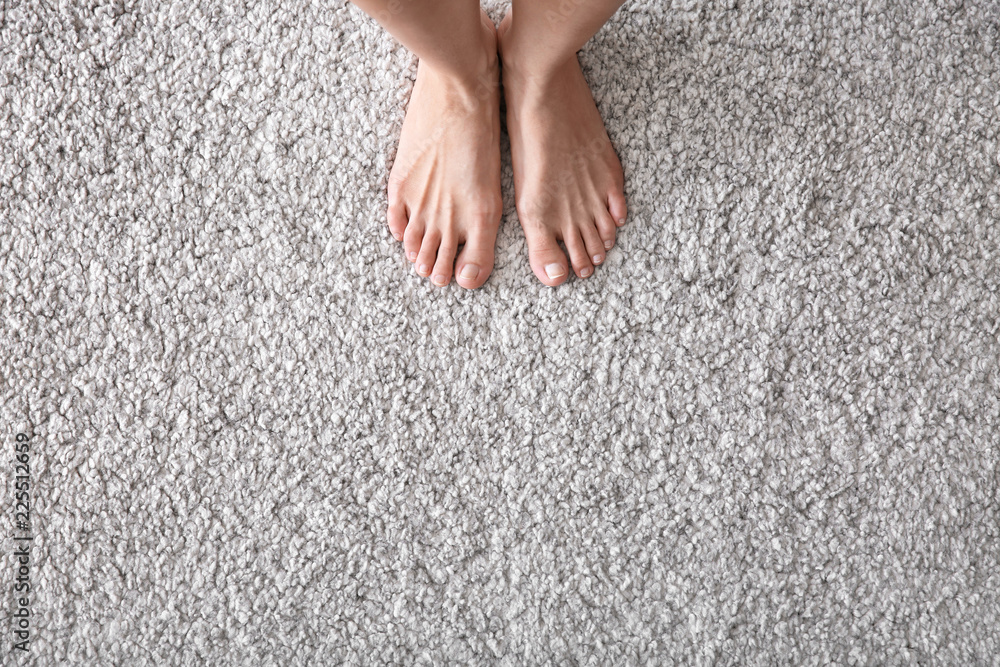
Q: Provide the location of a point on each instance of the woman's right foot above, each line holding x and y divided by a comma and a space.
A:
444, 186
568, 181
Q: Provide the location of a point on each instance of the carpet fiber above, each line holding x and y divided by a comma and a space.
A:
764, 432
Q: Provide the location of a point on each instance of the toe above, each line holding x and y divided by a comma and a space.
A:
577, 253
427, 256
475, 262
616, 207
592, 241
396, 217
441, 273
546, 259
413, 238
606, 229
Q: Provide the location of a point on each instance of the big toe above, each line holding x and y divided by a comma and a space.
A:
475, 262
547, 260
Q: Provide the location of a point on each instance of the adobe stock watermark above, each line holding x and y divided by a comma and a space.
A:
393, 8
561, 13
21, 617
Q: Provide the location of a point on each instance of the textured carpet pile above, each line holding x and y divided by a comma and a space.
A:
764, 432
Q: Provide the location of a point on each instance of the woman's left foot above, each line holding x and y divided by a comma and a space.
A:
568, 181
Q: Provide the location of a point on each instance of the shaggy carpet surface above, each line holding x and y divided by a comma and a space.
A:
765, 431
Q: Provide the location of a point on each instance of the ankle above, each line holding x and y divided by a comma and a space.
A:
474, 80
533, 69
535, 80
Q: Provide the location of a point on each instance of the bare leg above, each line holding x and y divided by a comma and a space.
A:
444, 186
568, 181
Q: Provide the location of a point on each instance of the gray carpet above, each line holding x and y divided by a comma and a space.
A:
764, 432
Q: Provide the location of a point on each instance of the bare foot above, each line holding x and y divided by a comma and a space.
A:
568, 182
444, 186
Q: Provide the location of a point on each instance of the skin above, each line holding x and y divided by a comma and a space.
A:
568, 181
444, 186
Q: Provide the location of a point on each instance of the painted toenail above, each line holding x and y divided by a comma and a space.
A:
469, 272
412, 256
554, 271
608, 244
439, 280
423, 269
586, 272
598, 259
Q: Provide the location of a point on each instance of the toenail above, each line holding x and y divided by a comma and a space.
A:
554, 271
586, 272
412, 256
439, 280
621, 221
598, 259
469, 272
423, 269
608, 244
398, 237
